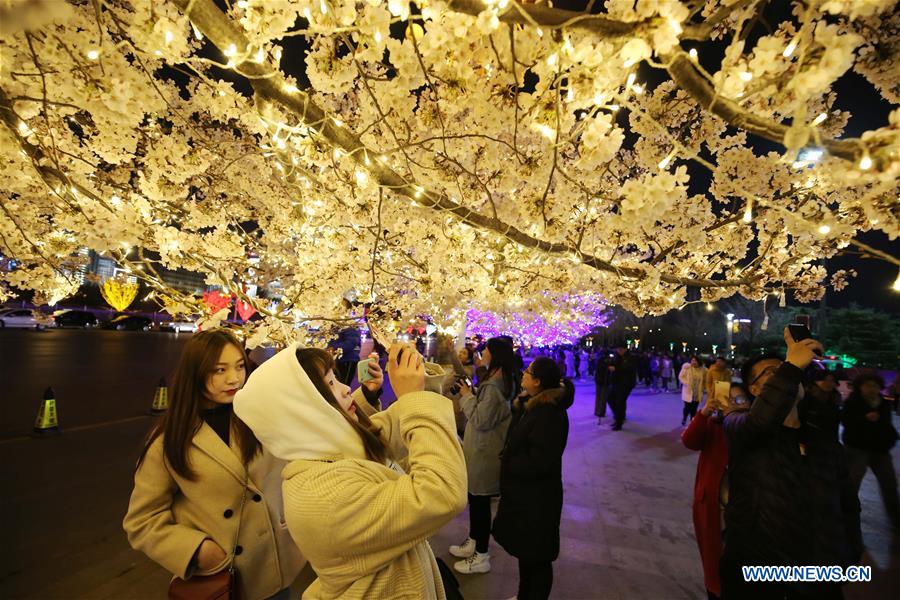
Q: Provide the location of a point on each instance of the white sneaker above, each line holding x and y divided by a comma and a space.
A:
477, 563
464, 550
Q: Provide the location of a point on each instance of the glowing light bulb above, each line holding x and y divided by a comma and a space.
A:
361, 177
545, 130
197, 33
231, 50
169, 37
745, 75
790, 49
665, 162
291, 88
377, 37
323, 7
93, 54
693, 53
896, 286
709, 306
865, 163
631, 78
821, 118
552, 60
824, 229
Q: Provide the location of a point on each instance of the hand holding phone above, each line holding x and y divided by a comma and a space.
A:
800, 353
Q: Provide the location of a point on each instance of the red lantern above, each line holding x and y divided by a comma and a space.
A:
245, 310
216, 301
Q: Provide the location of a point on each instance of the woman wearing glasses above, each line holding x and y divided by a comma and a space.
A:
531, 491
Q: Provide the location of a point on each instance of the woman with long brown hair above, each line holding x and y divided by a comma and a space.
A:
206, 494
364, 490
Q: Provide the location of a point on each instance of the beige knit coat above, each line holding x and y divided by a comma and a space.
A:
362, 525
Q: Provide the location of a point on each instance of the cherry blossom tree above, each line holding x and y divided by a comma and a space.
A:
442, 155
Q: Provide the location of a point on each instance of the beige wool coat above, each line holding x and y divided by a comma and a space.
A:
169, 516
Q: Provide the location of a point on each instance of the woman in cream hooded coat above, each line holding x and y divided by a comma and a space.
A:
362, 524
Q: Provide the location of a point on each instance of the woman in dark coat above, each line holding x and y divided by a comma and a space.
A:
531, 491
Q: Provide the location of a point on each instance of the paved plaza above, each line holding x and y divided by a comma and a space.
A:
626, 527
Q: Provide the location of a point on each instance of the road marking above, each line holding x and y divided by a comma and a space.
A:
81, 428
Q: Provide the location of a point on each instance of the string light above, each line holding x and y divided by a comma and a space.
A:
169, 37
693, 53
896, 285
709, 306
231, 51
552, 60
290, 88
790, 49
748, 212
93, 54
821, 118
545, 130
745, 75
824, 229
665, 162
866, 162
631, 79
323, 7
197, 33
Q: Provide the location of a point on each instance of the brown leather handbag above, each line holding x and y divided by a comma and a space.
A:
218, 586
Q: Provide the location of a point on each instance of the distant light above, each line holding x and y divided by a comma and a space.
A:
811, 155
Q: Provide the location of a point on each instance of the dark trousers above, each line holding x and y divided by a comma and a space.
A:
618, 399
480, 521
689, 410
735, 588
600, 398
535, 580
883, 468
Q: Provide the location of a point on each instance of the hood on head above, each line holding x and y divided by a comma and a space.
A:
289, 417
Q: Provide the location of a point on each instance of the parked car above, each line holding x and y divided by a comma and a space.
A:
178, 326
129, 323
22, 318
75, 318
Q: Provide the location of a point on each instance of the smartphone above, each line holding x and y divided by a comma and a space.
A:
800, 331
362, 370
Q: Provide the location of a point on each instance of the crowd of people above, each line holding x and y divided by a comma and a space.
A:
267, 472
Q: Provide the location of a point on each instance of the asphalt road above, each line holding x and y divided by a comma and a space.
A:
98, 376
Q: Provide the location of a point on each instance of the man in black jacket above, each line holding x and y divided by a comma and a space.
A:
622, 375
790, 499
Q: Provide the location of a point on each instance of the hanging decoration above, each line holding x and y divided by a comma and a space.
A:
118, 292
